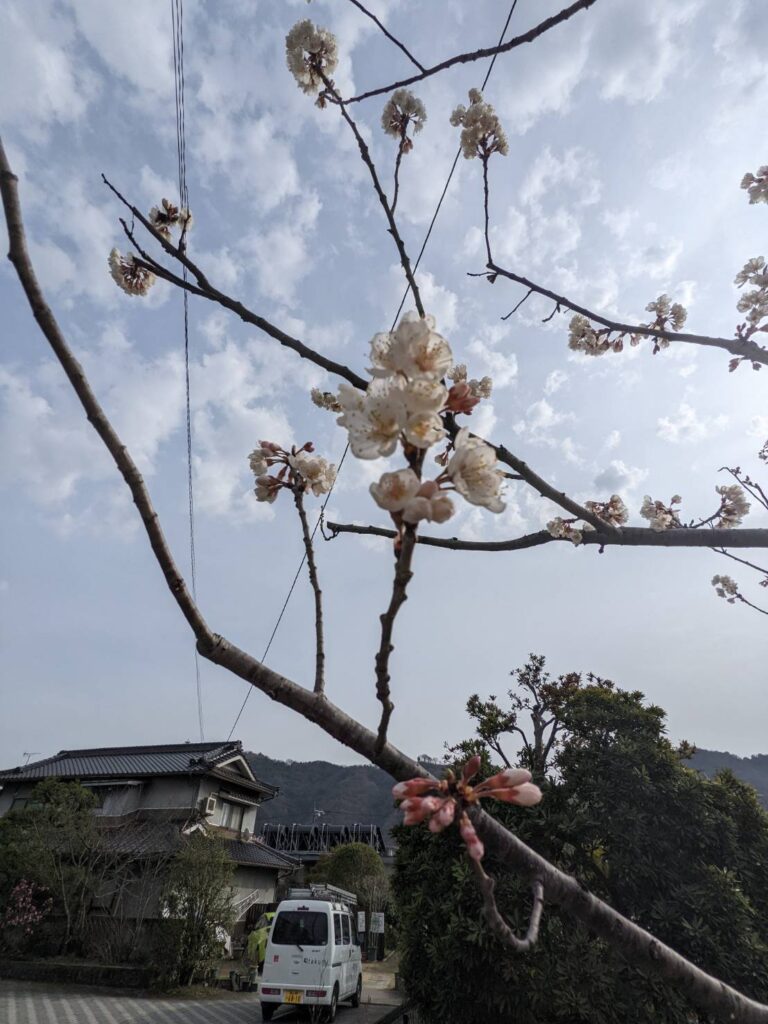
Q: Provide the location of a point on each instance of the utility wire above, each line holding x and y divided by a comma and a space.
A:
177, 24
394, 324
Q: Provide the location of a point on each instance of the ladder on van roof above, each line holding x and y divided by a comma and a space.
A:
321, 891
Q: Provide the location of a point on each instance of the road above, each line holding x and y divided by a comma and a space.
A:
25, 1002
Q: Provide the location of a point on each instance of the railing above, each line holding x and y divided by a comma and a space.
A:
241, 906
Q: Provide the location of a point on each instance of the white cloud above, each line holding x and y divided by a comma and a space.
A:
540, 419
573, 174
613, 440
45, 82
280, 255
686, 427
620, 478
554, 382
488, 360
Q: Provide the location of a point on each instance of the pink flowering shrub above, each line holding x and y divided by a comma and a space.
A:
442, 803
28, 903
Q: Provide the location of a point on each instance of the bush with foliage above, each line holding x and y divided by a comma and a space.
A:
198, 902
682, 856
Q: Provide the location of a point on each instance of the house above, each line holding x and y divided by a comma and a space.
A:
149, 797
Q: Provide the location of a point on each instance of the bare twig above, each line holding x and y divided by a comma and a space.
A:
368, 161
628, 536
517, 305
750, 565
206, 290
486, 214
638, 946
298, 497
736, 346
489, 51
493, 916
398, 160
403, 574
388, 34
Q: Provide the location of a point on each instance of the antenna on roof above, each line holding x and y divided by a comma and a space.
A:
29, 754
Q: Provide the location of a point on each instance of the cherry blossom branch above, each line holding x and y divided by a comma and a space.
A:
398, 160
485, 210
743, 561
298, 497
736, 346
639, 947
489, 51
330, 91
748, 484
627, 536
388, 34
403, 574
206, 290
498, 925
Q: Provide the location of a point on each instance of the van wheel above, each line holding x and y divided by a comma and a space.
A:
330, 1014
267, 1009
355, 1000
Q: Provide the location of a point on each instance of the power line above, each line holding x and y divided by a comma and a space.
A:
394, 324
177, 24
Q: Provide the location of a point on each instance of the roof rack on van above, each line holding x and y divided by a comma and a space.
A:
321, 891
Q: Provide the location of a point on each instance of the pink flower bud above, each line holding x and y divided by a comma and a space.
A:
443, 816
510, 777
475, 848
418, 808
524, 796
412, 787
461, 399
471, 768
270, 446
428, 489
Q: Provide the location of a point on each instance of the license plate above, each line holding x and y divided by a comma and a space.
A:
291, 996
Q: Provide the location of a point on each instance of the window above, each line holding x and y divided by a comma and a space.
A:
300, 928
337, 929
345, 925
231, 815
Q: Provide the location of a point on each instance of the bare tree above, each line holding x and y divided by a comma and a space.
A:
415, 401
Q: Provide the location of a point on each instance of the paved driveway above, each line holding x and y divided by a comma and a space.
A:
24, 1002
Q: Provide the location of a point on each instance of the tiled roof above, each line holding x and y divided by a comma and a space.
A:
134, 762
258, 854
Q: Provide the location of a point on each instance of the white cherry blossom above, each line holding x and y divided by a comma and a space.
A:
733, 506
430, 504
482, 133
562, 529
318, 474
394, 490
756, 185
472, 470
660, 516
414, 349
128, 275
308, 50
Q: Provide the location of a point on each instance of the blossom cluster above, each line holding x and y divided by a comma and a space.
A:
565, 529
660, 516
442, 803
167, 216
733, 506
310, 52
727, 587
756, 185
299, 470
755, 302
402, 111
324, 400
129, 275
27, 905
583, 337
482, 133
404, 405
614, 511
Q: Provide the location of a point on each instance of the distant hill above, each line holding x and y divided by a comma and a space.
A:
363, 794
753, 770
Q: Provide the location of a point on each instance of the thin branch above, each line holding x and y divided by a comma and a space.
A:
389, 35
489, 51
639, 947
398, 160
368, 161
486, 214
517, 305
298, 497
749, 604
751, 565
497, 924
206, 290
403, 574
628, 536
736, 346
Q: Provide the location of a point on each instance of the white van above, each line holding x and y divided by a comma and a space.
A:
313, 952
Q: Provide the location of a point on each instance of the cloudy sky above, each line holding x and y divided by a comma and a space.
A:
630, 128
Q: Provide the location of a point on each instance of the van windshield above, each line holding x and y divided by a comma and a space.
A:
300, 928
